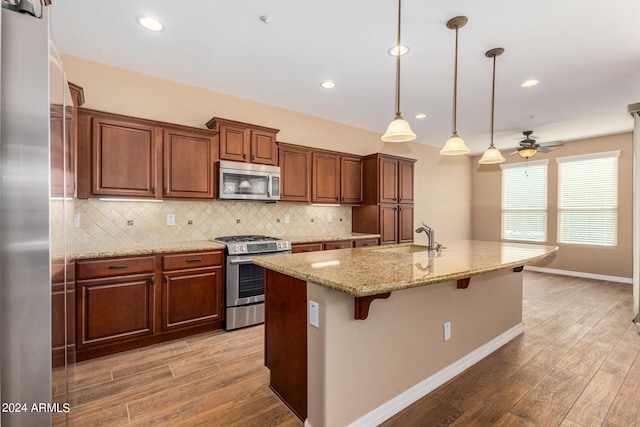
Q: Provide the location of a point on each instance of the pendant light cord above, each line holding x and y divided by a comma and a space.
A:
398, 62
493, 96
455, 87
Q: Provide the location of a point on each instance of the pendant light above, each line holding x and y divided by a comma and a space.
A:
492, 155
455, 144
398, 130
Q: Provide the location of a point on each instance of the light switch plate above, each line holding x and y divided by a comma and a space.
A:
314, 314
171, 219
287, 218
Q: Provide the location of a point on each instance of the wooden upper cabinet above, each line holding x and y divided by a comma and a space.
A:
125, 157
325, 179
234, 142
129, 157
351, 180
189, 157
388, 180
295, 171
244, 142
264, 149
405, 181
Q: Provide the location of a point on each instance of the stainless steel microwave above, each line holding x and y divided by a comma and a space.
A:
248, 181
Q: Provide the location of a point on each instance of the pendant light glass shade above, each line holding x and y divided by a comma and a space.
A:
492, 155
455, 145
399, 129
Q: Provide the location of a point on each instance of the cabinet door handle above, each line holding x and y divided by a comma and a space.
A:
253, 157
166, 278
118, 266
153, 279
343, 198
307, 250
336, 198
394, 199
244, 156
194, 259
340, 247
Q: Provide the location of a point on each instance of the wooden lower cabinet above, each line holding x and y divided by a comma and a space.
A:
393, 222
285, 352
365, 243
192, 295
306, 247
126, 303
63, 333
338, 244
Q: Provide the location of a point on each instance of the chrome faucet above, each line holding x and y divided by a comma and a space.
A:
431, 235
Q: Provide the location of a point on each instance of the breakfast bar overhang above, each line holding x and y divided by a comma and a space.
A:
353, 336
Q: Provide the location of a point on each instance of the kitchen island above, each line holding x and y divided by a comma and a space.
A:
353, 336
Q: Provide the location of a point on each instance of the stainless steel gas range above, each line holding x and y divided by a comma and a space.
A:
244, 289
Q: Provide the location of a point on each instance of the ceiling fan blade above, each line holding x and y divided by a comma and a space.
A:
551, 143
545, 149
511, 154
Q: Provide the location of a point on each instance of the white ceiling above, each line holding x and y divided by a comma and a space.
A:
586, 55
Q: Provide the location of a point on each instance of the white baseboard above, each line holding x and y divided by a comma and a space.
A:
627, 280
398, 403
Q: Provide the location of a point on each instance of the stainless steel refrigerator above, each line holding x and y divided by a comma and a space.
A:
34, 209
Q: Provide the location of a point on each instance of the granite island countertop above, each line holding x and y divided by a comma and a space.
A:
376, 270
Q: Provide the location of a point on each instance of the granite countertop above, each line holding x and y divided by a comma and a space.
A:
135, 249
299, 239
375, 270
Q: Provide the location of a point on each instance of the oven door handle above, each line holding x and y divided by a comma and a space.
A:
240, 261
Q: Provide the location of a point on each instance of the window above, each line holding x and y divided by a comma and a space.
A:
524, 201
588, 199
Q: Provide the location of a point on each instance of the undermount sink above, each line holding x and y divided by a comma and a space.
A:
409, 249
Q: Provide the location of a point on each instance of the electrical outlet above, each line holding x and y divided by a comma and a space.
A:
287, 218
447, 331
314, 314
76, 220
329, 218
171, 219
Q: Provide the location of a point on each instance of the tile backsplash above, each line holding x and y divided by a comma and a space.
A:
117, 222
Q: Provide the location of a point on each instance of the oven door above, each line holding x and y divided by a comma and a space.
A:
245, 280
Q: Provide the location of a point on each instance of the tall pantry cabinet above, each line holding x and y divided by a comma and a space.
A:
387, 199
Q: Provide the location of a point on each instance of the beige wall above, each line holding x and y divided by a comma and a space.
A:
443, 185
360, 365
486, 202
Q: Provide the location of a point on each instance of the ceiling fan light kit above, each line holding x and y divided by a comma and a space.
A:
492, 155
455, 145
399, 129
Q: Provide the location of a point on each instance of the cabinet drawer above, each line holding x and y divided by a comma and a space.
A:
342, 244
309, 247
114, 267
192, 260
366, 242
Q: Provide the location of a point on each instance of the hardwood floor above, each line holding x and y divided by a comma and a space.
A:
577, 364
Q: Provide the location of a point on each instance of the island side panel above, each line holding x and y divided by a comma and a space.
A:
286, 339
355, 366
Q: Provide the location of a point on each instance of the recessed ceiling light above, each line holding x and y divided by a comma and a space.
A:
529, 83
328, 84
420, 116
393, 51
150, 23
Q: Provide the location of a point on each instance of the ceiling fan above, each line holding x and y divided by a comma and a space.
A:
529, 147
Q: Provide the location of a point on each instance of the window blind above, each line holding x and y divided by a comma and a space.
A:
588, 199
524, 201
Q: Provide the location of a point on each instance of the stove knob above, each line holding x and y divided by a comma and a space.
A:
243, 248
279, 245
235, 248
